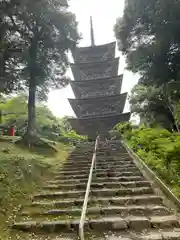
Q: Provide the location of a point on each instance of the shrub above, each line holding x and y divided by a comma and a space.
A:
121, 129
160, 150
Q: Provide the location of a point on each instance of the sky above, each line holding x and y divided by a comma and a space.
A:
104, 13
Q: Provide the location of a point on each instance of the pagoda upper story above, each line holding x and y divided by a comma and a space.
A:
95, 70
97, 86
94, 53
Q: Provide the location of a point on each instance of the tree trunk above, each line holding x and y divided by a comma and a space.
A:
30, 136
170, 107
176, 126
31, 130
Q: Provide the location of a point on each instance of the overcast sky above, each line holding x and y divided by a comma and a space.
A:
104, 13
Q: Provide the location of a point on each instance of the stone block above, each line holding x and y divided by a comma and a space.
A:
116, 223
165, 222
119, 225
151, 236
98, 224
139, 223
171, 235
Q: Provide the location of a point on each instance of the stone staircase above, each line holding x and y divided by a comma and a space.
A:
122, 203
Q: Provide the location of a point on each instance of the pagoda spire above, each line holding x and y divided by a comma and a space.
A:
92, 32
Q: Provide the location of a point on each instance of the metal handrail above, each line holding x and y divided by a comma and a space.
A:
86, 198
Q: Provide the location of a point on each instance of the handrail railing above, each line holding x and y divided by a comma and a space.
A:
86, 198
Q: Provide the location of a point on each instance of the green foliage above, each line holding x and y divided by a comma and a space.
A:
153, 106
65, 125
160, 150
15, 113
47, 125
148, 35
46, 31
10, 44
123, 127
72, 137
177, 112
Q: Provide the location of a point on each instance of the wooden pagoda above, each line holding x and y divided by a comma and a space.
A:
98, 105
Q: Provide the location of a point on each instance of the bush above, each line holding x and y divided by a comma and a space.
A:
72, 136
121, 129
160, 150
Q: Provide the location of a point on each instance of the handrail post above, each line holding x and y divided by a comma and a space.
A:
95, 150
86, 198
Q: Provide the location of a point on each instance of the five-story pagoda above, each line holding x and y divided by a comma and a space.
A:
98, 104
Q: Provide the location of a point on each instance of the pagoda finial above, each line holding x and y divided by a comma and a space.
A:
92, 32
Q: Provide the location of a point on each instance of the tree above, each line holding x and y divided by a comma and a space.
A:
10, 48
14, 112
65, 125
47, 31
153, 107
148, 35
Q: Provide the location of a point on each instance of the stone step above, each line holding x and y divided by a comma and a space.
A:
86, 160
106, 223
152, 234
98, 185
98, 170
102, 162
113, 149
98, 180
112, 153
85, 165
102, 154
81, 152
124, 201
100, 211
76, 166
103, 165
99, 162
99, 167
80, 155
96, 193
103, 174
20, 235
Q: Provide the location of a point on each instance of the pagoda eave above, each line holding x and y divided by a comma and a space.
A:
98, 79
90, 107
100, 87
95, 70
102, 46
94, 64
90, 126
94, 53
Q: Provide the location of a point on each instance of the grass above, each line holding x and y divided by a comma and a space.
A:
22, 173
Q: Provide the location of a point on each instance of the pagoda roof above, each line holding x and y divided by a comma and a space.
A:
94, 53
97, 87
103, 124
98, 106
97, 79
102, 46
95, 70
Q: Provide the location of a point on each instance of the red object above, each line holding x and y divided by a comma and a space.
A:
11, 131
